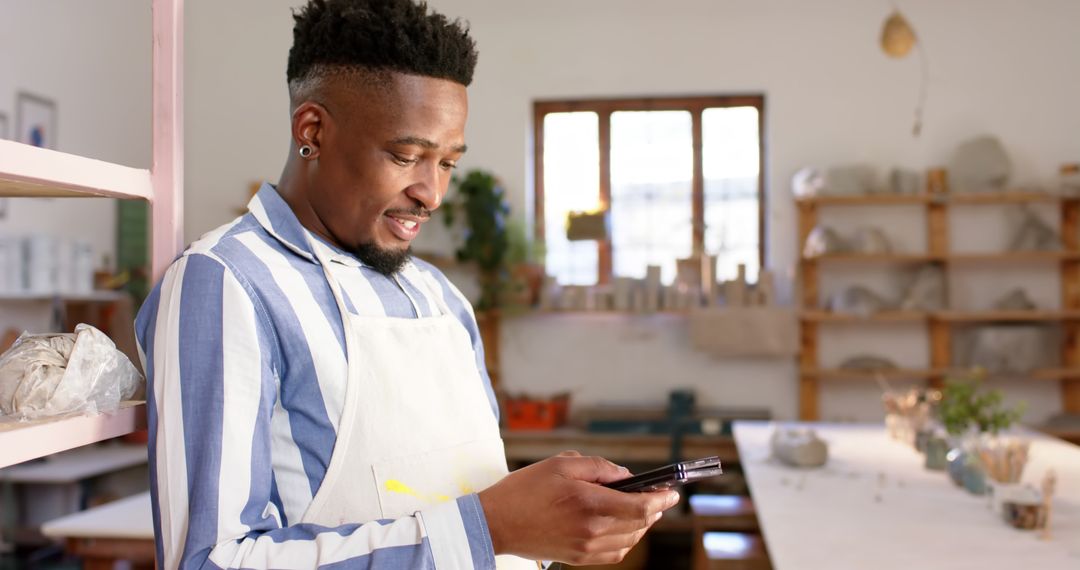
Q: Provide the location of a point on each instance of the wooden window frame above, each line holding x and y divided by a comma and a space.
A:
604, 108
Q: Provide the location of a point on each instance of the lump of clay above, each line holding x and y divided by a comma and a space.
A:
799, 447
1015, 300
868, 363
870, 240
1032, 234
925, 291
857, 300
823, 240
980, 165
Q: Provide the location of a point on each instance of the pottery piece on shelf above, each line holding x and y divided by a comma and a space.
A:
903, 181
824, 240
799, 447
1015, 300
870, 240
980, 165
925, 290
850, 180
868, 363
1032, 233
1002, 349
808, 182
857, 300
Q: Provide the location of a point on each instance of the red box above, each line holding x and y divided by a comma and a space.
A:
525, 413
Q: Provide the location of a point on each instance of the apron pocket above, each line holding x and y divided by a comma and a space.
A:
412, 483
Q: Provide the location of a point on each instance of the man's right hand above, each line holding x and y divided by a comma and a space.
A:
556, 510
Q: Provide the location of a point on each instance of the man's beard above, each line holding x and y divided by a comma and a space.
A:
385, 261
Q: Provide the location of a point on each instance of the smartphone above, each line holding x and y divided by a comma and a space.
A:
669, 476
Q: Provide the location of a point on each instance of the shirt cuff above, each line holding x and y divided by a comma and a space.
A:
458, 534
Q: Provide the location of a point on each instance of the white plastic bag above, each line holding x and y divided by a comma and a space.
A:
52, 374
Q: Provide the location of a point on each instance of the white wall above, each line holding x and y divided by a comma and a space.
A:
93, 60
996, 66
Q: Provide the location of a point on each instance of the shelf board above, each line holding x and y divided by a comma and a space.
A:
93, 296
867, 200
992, 257
1014, 256
23, 441
885, 199
1010, 316
923, 374
893, 374
875, 258
27, 171
822, 316
1009, 197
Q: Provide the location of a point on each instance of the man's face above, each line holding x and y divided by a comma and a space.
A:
386, 155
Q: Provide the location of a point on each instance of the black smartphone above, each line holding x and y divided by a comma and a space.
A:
669, 476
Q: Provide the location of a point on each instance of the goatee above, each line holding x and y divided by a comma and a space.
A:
385, 261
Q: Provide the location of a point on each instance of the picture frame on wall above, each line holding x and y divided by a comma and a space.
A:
35, 120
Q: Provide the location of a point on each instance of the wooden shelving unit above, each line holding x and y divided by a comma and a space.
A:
936, 202
27, 171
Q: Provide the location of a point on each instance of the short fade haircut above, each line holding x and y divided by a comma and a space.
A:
343, 36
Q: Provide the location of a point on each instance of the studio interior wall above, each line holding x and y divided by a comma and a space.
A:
995, 66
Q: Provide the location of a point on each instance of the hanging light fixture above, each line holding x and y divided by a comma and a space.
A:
897, 40
897, 37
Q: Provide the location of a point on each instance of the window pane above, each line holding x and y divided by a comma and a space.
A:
651, 206
571, 183
730, 151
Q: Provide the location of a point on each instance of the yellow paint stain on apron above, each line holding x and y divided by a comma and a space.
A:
395, 486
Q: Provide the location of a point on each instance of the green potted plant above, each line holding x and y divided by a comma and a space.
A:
967, 412
480, 202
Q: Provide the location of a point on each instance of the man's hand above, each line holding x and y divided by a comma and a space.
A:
555, 510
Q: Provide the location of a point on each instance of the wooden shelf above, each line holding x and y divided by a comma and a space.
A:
866, 200
23, 441
1013, 256
842, 374
1005, 316
924, 374
875, 258
1009, 197
992, 257
823, 316
29, 171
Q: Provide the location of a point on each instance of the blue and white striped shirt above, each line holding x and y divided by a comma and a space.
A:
244, 350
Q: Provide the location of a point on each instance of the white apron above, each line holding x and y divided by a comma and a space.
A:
417, 427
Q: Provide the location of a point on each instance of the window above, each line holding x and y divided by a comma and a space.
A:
677, 177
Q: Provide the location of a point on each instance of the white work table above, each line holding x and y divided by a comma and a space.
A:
101, 536
127, 518
874, 505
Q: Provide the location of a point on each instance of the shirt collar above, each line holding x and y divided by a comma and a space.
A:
278, 219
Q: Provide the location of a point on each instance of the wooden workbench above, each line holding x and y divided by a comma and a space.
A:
527, 446
875, 506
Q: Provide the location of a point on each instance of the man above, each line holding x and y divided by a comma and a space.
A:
317, 396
